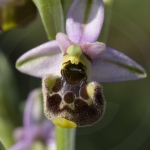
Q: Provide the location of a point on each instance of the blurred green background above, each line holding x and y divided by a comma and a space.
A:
126, 123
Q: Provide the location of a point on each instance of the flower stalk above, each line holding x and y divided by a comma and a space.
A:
65, 138
52, 16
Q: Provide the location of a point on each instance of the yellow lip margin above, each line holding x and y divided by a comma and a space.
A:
64, 123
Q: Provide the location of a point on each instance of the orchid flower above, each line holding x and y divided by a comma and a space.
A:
36, 126
72, 66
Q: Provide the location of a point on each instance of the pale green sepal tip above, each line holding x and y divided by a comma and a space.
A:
143, 75
136, 71
22, 64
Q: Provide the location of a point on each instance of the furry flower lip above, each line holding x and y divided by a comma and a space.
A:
72, 96
72, 66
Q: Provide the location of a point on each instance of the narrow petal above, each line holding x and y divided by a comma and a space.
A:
21, 145
33, 113
35, 123
94, 50
114, 66
63, 41
41, 60
85, 20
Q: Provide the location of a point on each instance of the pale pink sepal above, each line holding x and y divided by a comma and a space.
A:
94, 50
84, 21
41, 60
63, 41
114, 66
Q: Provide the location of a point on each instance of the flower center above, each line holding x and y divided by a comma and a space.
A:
74, 73
75, 66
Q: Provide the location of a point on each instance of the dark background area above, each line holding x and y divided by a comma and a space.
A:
126, 123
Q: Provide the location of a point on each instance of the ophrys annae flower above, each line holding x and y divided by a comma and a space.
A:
73, 65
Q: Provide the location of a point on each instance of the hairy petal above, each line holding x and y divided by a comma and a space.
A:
63, 41
85, 20
41, 60
114, 66
94, 50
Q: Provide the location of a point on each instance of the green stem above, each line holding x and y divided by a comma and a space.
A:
52, 16
108, 4
65, 138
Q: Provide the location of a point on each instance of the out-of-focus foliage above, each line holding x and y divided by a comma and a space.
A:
38, 146
52, 16
3, 2
66, 5
8, 101
1, 146
8, 91
16, 13
6, 130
